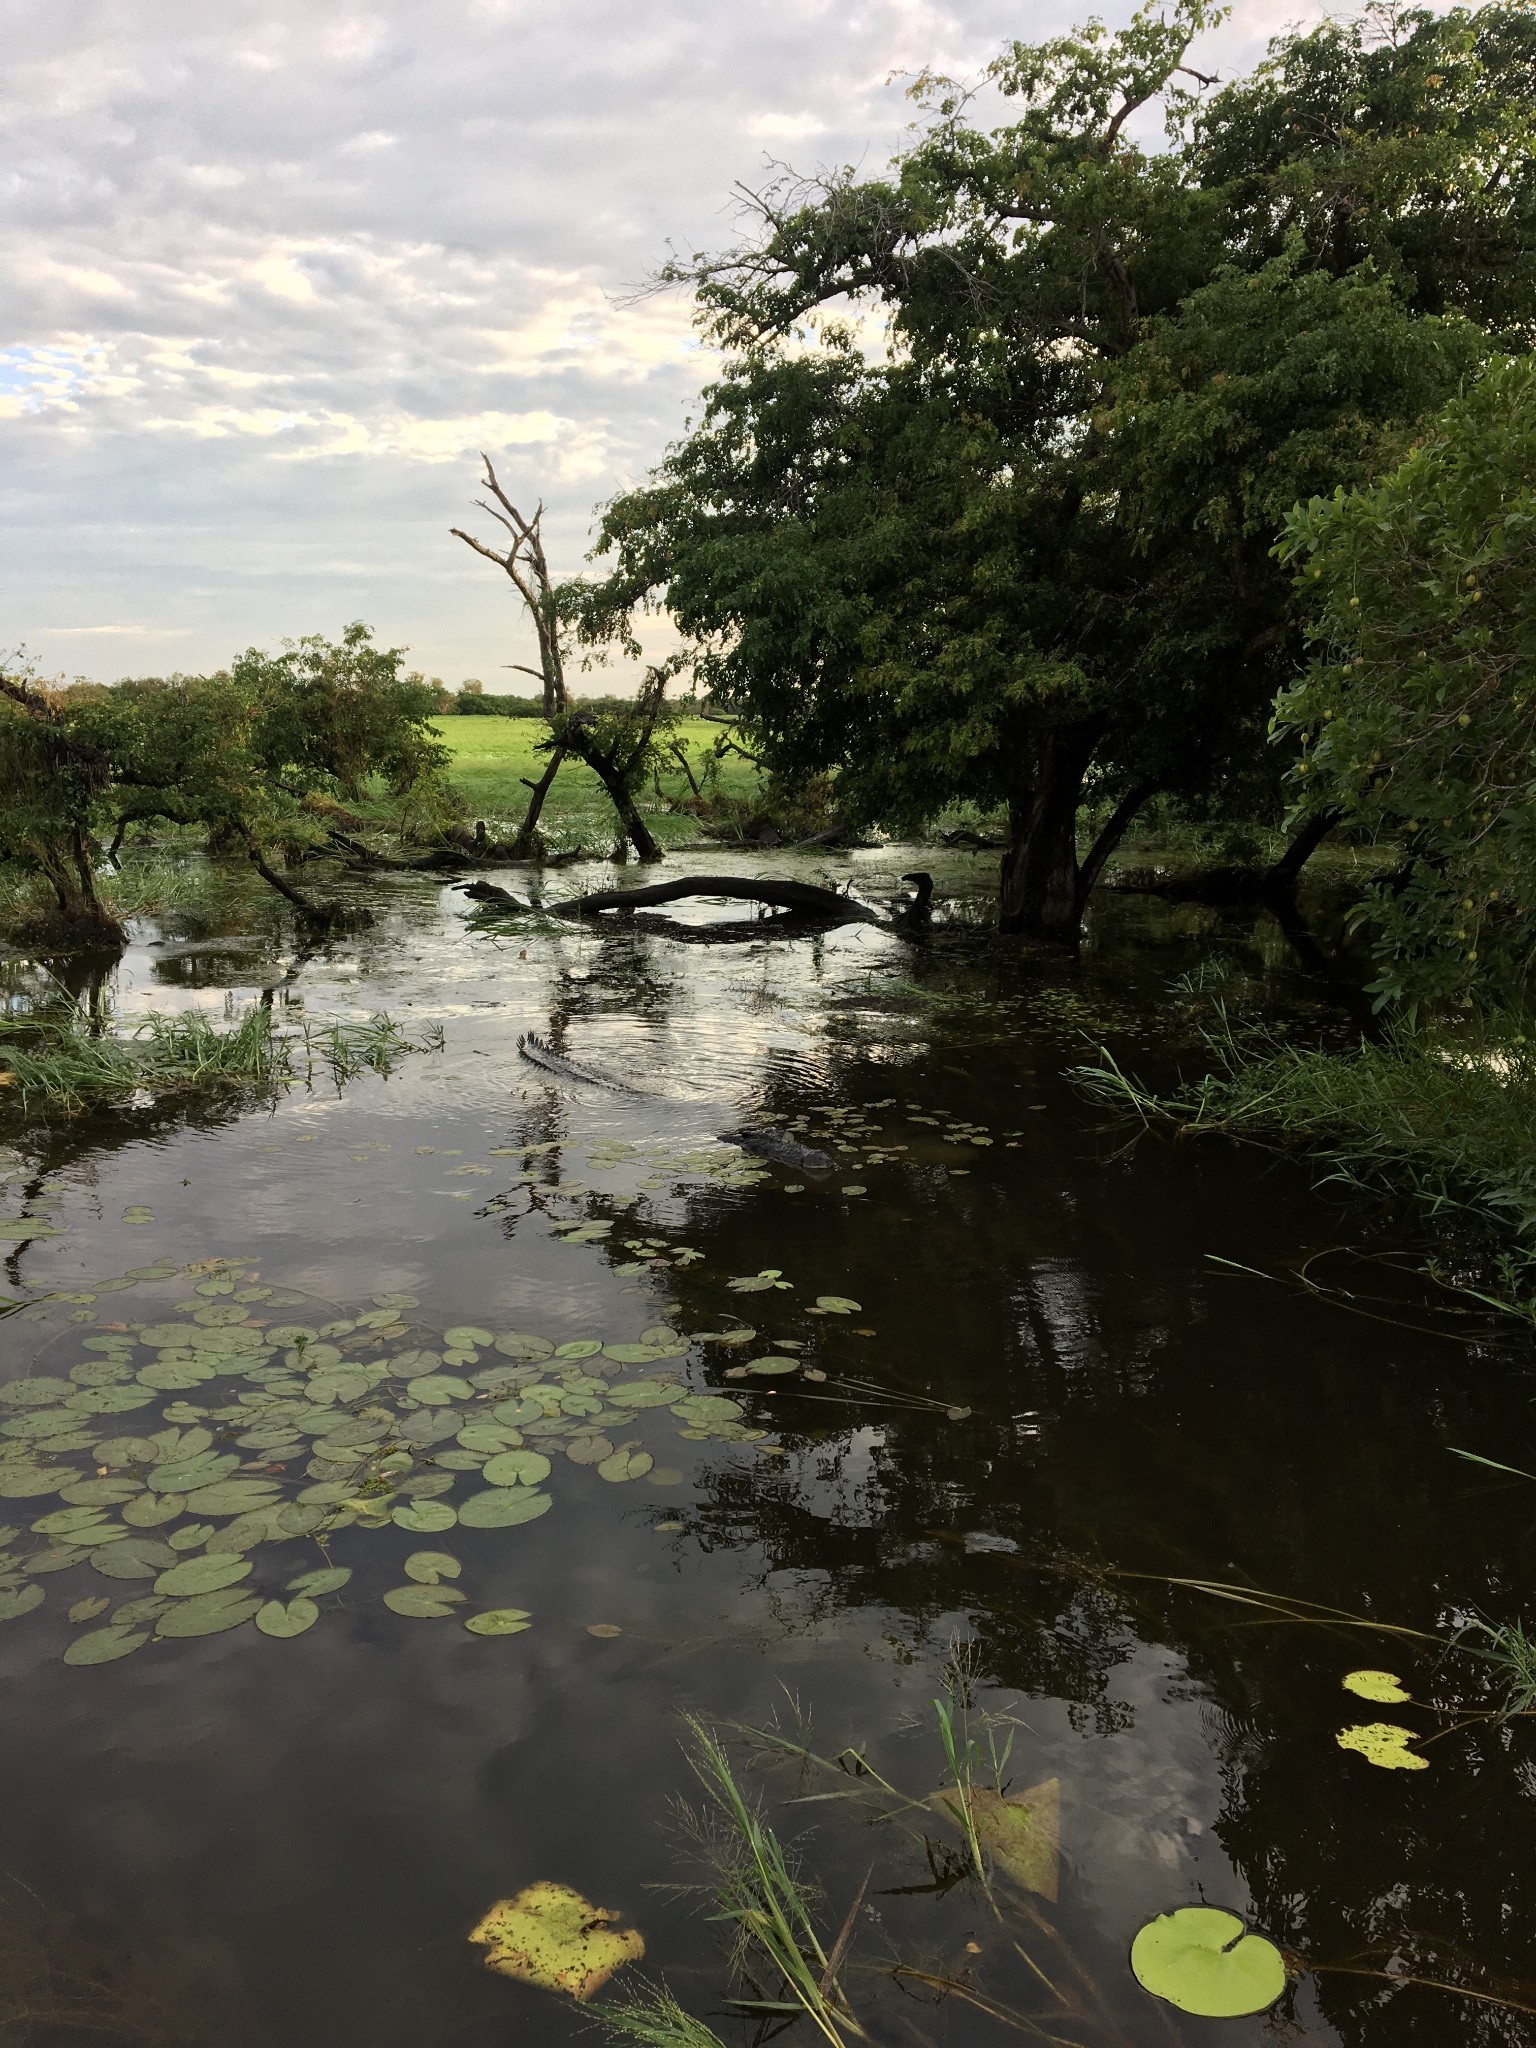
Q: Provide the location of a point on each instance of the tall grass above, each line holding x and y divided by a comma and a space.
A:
56, 1060
1449, 1121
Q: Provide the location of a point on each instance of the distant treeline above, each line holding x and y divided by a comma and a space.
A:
473, 700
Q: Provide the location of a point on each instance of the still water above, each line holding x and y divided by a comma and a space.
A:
1055, 1380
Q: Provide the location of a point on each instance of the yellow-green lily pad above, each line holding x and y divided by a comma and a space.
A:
283, 1620
1384, 1744
551, 1936
1021, 1834
1205, 1961
1384, 1688
500, 1621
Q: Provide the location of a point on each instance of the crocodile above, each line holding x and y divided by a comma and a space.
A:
534, 1048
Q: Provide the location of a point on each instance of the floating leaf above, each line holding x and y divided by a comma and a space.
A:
150, 1510
517, 1344
551, 1936
499, 1621
465, 1337
1021, 1833
645, 1394
704, 1408
25, 1227
275, 1619
202, 1575
1382, 1687
104, 1645
424, 1517
838, 1304
580, 1347
855, 1188
422, 1603
767, 1366
517, 1468
625, 1465
27, 1482
504, 1507
136, 1557
1204, 1961
328, 1578
589, 1450
209, 1614
605, 1631
233, 1497
1383, 1743
22, 1601
439, 1390
126, 1450
755, 1283
488, 1439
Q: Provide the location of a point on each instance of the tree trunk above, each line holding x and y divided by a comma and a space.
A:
1040, 878
1114, 831
253, 854
631, 825
1304, 843
804, 897
527, 844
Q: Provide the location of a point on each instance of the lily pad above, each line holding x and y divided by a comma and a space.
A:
838, 1304
504, 1507
645, 1394
579, 1347
150, 1510
1020, 1833
427, 1567
104, 1645
136, 1557
328, 1578
439, 1389
209, 1614
589, 1450
22, 1601
465, 1336
1205, 1961
489, 1439
424, 1517
499, 1621
551, 1936
203, 1574
768, 1366
233, 1497
1382, 1687
88, 1609
28, 1482
282, 1621
423, 1603
517, 1468
625, 1465
1384, 1744
518, 1344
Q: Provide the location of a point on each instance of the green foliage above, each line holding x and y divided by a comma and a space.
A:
1418, 715
1024, 556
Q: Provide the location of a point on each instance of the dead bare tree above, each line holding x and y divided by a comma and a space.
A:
614, 748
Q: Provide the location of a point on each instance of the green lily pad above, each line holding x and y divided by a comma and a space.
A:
625, 1465
499, 1621
517, 1468
1382, 1687
134, 1613
276, 1619
1384, 1744
88, 1609
104, 1645
645, 1394
103, 1492
518, 1344
504, 1507
1204, 1961
706, 1408
14, 1604
489, 1439
424, 1517
136, 1557
24, 1227
233, 1497
768, 1366
28, 1482
39, 1391
427, 1567
328, 1578
839, 1304
184, 1475
465, 1336
580, 1347
439, 1389
66, 1521
202, 1574
423, 1603
59, 1558
209, 1614
150, 1510
632, 1354
190, 1536
126, 1450
589, 1450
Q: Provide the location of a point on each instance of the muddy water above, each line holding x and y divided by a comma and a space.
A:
1050, 1402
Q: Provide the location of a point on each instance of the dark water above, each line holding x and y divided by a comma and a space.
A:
239, 1840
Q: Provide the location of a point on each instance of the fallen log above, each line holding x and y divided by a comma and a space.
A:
829, 905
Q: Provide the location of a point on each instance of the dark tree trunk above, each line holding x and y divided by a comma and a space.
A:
631, 824
254, 855
527, 844
1114, 831
1040, 879
1303, 845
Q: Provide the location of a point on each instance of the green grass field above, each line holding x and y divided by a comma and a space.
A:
492, 756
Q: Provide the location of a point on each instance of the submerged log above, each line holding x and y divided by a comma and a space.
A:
828, 905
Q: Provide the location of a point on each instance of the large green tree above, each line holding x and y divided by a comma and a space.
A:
1417, 715
1022, 552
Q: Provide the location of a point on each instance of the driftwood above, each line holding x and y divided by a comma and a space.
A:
805, 898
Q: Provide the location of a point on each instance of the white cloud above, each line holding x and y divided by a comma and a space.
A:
274, 273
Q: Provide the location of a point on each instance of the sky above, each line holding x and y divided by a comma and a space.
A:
272, 274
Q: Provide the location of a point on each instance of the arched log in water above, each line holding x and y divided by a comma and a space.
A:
827, 905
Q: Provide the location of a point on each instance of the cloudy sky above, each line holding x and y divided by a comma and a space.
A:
272, 273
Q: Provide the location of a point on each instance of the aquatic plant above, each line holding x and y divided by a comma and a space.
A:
57, 1059
1450, 1121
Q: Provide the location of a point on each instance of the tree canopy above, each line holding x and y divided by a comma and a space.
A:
1418, 712
1021, 550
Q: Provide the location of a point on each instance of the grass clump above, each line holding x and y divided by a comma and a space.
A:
1449, 1121
57, 1060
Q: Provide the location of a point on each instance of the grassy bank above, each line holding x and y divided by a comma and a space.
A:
492, 756
1448, 1122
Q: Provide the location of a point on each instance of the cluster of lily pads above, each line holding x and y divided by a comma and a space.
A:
177, 1449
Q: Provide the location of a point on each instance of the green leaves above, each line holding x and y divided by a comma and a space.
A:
202, 1574
499, 1621
282, 1621
504, 1507
423, 1603
1204, 1961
